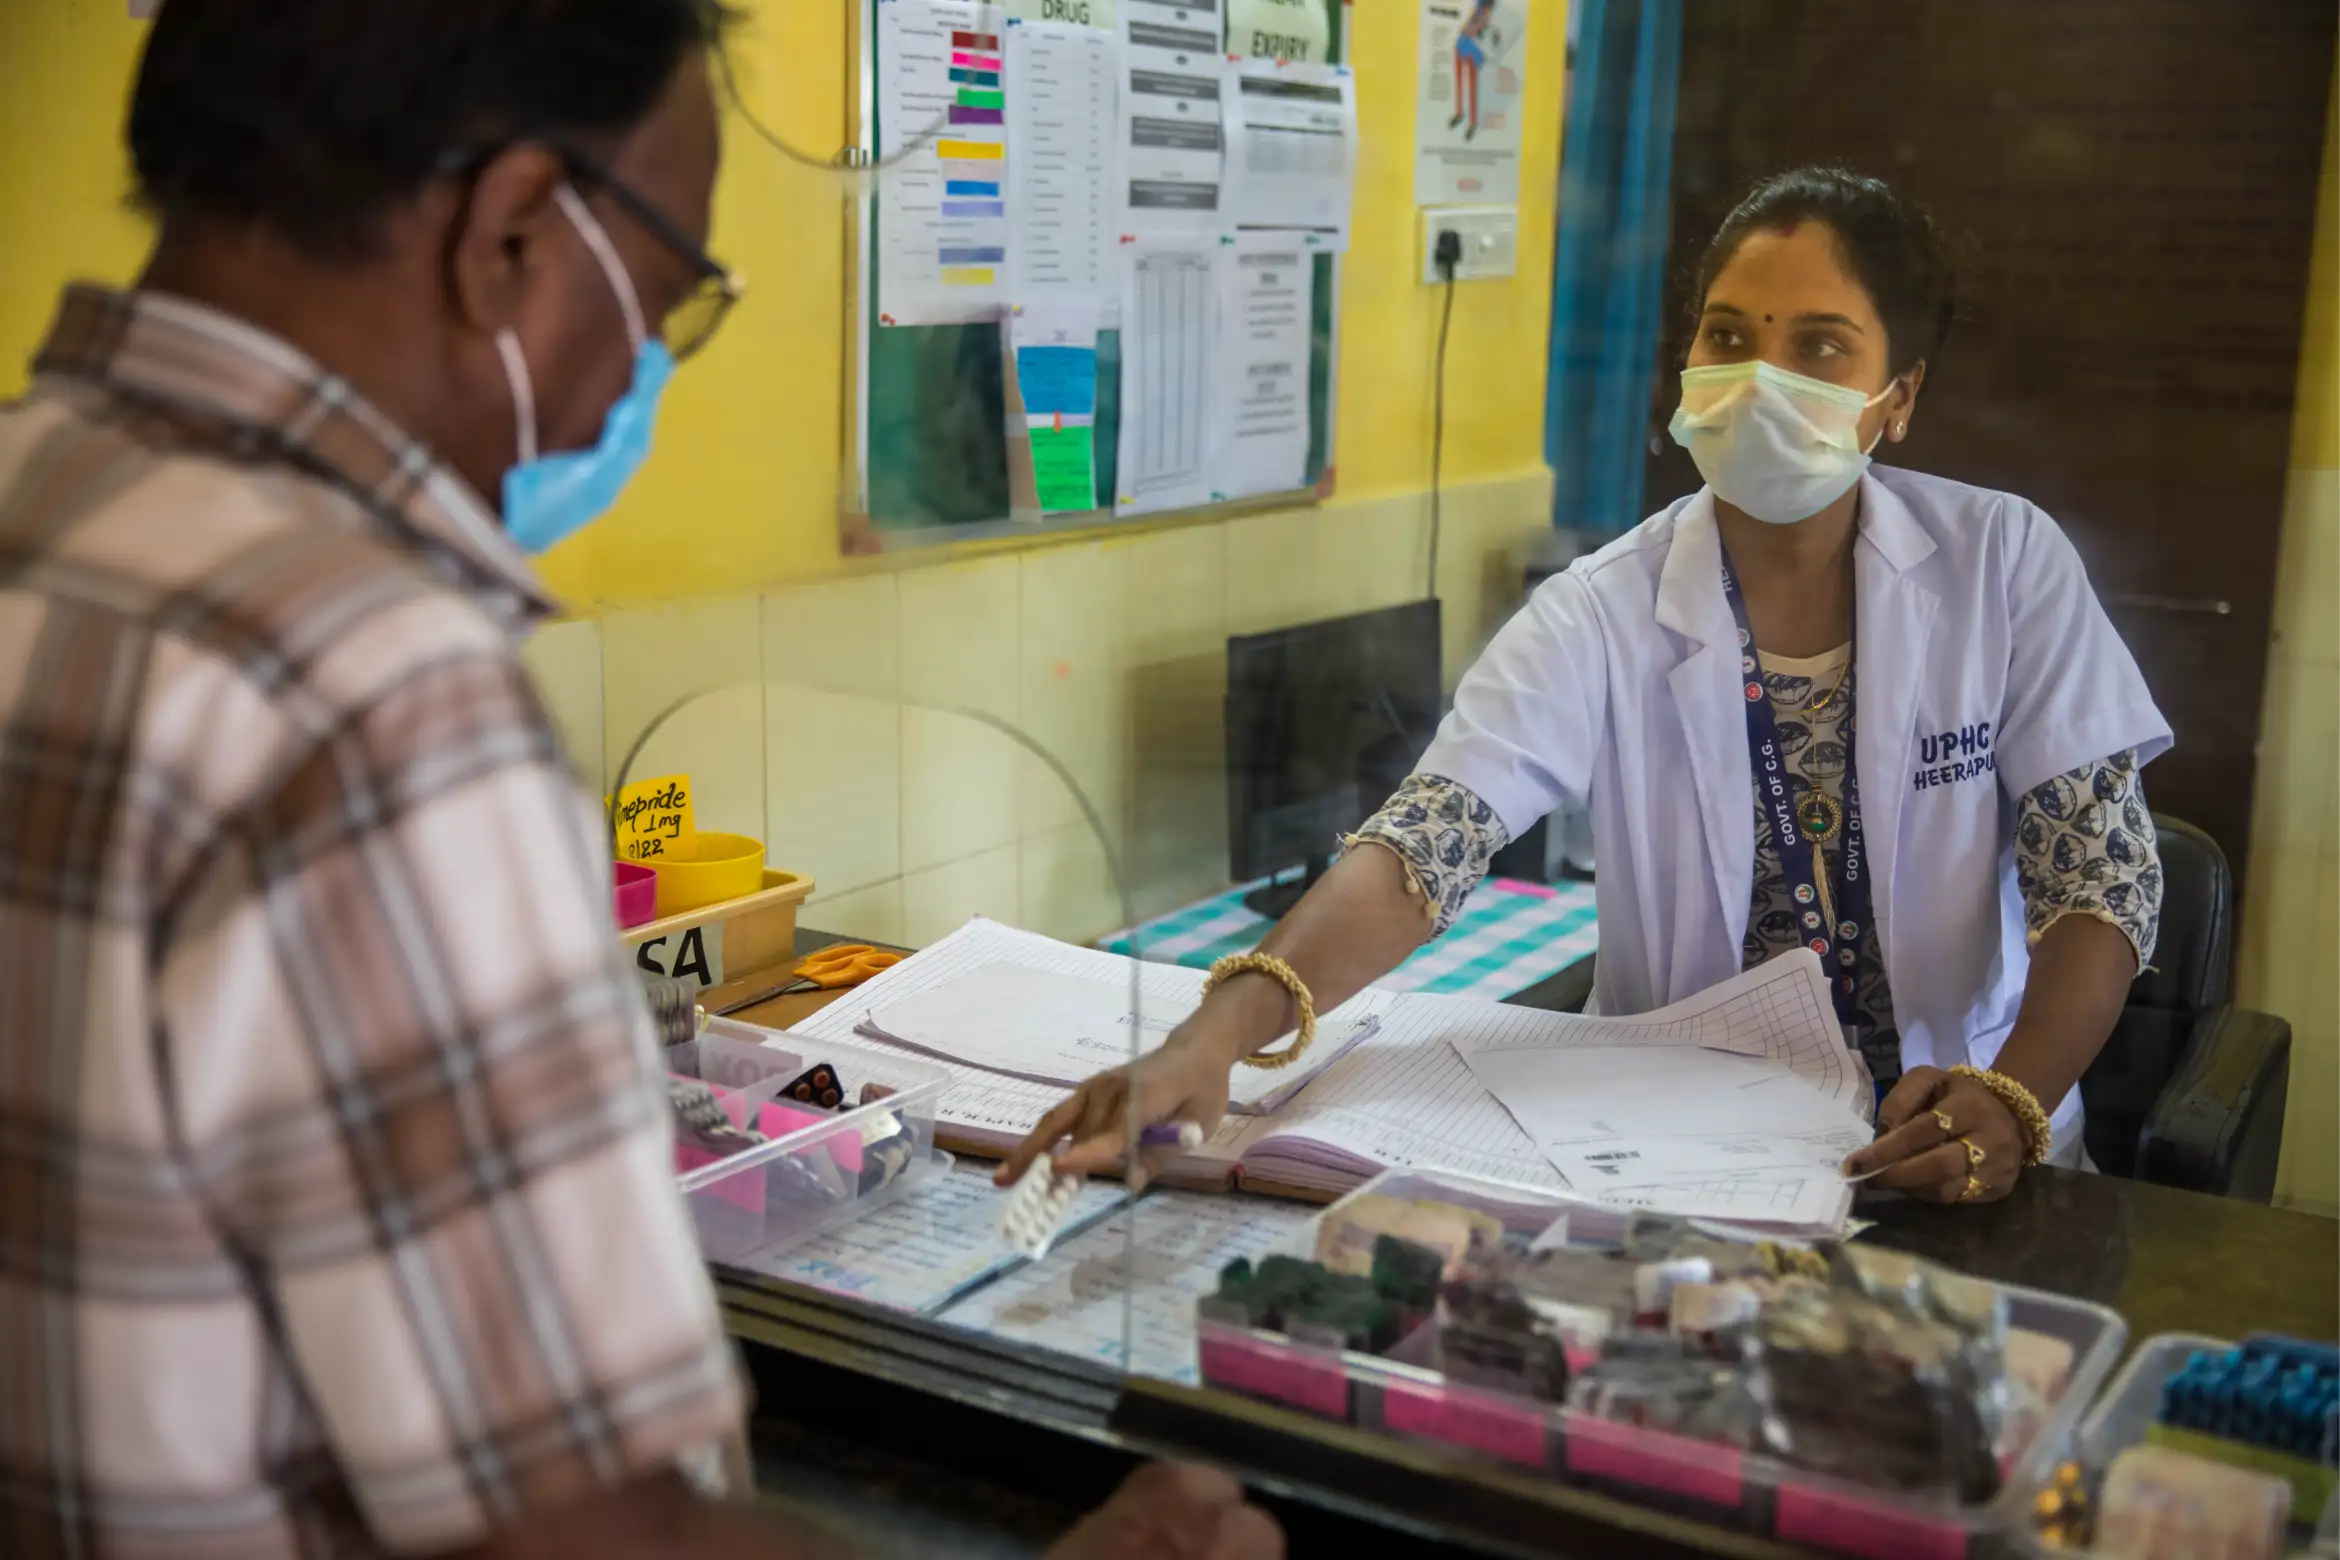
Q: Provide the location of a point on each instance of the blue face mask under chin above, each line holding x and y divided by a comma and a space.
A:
550, 497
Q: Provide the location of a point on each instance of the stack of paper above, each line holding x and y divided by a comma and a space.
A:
1735, 1105
1442, 1083
1164, 1254
990, 1110
1747, 1123
1024, 1020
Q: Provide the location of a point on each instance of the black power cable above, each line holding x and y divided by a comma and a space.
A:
1447, 255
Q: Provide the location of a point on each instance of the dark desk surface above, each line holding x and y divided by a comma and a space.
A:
2168, 1261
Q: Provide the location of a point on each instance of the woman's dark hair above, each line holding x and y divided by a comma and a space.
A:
315, 118
1890, 246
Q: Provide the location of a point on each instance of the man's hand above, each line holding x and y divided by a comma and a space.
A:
1928, 1161
1169, 1511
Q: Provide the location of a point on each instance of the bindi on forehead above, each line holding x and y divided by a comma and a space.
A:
1788, 228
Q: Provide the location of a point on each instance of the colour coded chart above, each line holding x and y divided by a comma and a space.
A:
943, 214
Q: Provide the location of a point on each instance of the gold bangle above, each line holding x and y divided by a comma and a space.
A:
2038, 1136
1284, 975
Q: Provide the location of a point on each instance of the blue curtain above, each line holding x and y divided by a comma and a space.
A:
1608, 270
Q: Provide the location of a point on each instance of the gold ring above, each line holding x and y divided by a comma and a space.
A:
1942, 1120
1974, 1189
1974, 1154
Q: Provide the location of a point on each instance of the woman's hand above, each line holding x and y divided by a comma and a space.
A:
1186, 1080
1176, 1083
1924, 1158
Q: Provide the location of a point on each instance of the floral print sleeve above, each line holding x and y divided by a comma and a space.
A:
2084, 845
1444, 835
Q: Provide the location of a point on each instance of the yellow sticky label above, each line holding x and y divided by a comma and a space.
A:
981, 151
968, 275
652, 818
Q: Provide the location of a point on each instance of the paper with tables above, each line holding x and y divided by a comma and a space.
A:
991, 1108
1260, 402
942, 210
1737, 1104
1070, 1301
1292, 149
1755, 1097
1403, 1099
1172, 117
928, 1247
1169, 355
1062, 163
1052, 1026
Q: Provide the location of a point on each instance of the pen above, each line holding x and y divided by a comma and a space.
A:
1172, 1134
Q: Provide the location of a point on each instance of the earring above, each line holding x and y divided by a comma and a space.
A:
1900, 428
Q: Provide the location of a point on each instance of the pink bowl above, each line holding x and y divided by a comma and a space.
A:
636, 894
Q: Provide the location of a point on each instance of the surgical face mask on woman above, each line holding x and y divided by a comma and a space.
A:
1771, 443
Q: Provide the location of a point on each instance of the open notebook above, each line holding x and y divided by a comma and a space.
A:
996, 1000
1403, 1096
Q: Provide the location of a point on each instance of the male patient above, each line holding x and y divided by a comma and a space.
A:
336, 1213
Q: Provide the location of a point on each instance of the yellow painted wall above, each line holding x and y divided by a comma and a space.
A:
65, 68
2290, 956
716, 573
742, 494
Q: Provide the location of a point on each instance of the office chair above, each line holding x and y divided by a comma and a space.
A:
2189, 1090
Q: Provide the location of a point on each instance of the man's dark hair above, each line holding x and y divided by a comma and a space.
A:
1890, 246
315, 118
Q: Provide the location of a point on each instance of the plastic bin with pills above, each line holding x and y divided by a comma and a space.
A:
1842, 1397
2201, 1446
777, 1137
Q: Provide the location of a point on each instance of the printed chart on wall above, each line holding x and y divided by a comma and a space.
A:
944, 206
1100, 260
1467, 112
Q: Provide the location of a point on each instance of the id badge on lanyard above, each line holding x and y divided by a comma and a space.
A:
1800, 829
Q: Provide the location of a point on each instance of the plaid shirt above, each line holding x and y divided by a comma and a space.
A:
336, 1205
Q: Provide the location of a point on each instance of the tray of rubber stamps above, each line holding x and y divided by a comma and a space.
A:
1842, 1397
777, 1137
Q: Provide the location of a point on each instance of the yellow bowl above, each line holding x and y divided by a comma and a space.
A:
707, 871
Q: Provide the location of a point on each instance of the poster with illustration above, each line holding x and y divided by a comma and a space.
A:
1467, 117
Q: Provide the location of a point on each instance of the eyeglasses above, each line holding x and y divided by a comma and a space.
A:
691, 323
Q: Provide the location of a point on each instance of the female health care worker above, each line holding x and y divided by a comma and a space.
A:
1815, 704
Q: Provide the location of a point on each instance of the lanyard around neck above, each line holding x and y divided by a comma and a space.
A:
1800, 827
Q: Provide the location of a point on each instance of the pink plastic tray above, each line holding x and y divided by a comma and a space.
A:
1744, 1490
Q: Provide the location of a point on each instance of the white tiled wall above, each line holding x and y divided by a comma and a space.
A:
824, 724
690, 675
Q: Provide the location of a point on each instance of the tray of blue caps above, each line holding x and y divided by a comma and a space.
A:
1838, 1396
2202, 1447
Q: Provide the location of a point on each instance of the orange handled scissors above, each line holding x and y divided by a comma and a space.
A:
831, 969
849, 964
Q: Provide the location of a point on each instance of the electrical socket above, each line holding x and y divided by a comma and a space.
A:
1490, 241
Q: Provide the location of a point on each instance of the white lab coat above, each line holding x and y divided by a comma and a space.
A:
1986, 666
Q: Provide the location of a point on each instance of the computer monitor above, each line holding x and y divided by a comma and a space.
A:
1323, 722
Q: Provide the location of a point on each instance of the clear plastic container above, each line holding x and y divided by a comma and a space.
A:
1711, 1482
2119, 1421
820, 1167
